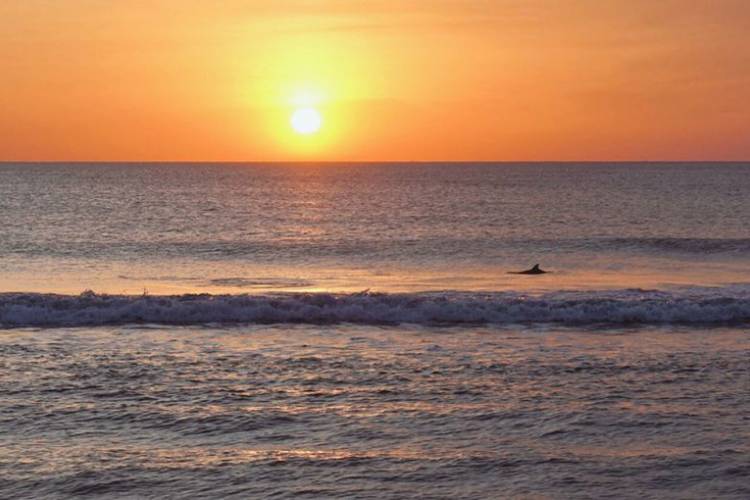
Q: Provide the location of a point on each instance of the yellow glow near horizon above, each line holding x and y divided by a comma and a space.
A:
306, 121
308, 72
187, 80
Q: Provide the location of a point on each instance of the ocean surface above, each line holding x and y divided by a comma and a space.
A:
353, 331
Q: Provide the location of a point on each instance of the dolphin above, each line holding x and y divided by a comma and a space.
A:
533, 270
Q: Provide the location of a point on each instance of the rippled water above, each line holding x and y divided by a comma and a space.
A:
177, 228
351, 331
363, 412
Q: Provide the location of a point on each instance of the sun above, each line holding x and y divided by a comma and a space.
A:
306, 121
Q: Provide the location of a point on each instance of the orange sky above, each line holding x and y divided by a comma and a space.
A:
394, 79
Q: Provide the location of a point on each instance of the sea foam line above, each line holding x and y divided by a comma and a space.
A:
693, 306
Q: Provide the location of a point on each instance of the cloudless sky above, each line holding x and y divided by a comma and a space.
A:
394, 79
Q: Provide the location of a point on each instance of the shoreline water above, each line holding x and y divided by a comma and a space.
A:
342, 411
233, 349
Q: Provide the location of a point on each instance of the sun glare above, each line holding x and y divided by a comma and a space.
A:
306, 121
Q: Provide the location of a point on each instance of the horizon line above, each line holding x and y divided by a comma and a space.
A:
343, 162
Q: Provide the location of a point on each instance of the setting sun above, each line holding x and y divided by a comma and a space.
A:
306, 121
375, 249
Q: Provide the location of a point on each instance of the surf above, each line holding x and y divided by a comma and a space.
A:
728, 305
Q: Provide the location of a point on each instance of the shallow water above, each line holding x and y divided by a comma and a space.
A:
351, 331
374, 412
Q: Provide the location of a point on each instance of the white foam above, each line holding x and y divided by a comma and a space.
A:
726, 305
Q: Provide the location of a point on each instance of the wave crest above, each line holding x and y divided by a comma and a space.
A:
692, 306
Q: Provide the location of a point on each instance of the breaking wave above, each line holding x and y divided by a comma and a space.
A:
690, 306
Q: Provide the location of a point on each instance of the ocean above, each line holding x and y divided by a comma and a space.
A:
354, 330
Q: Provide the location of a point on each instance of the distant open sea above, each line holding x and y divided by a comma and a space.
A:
352, 330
